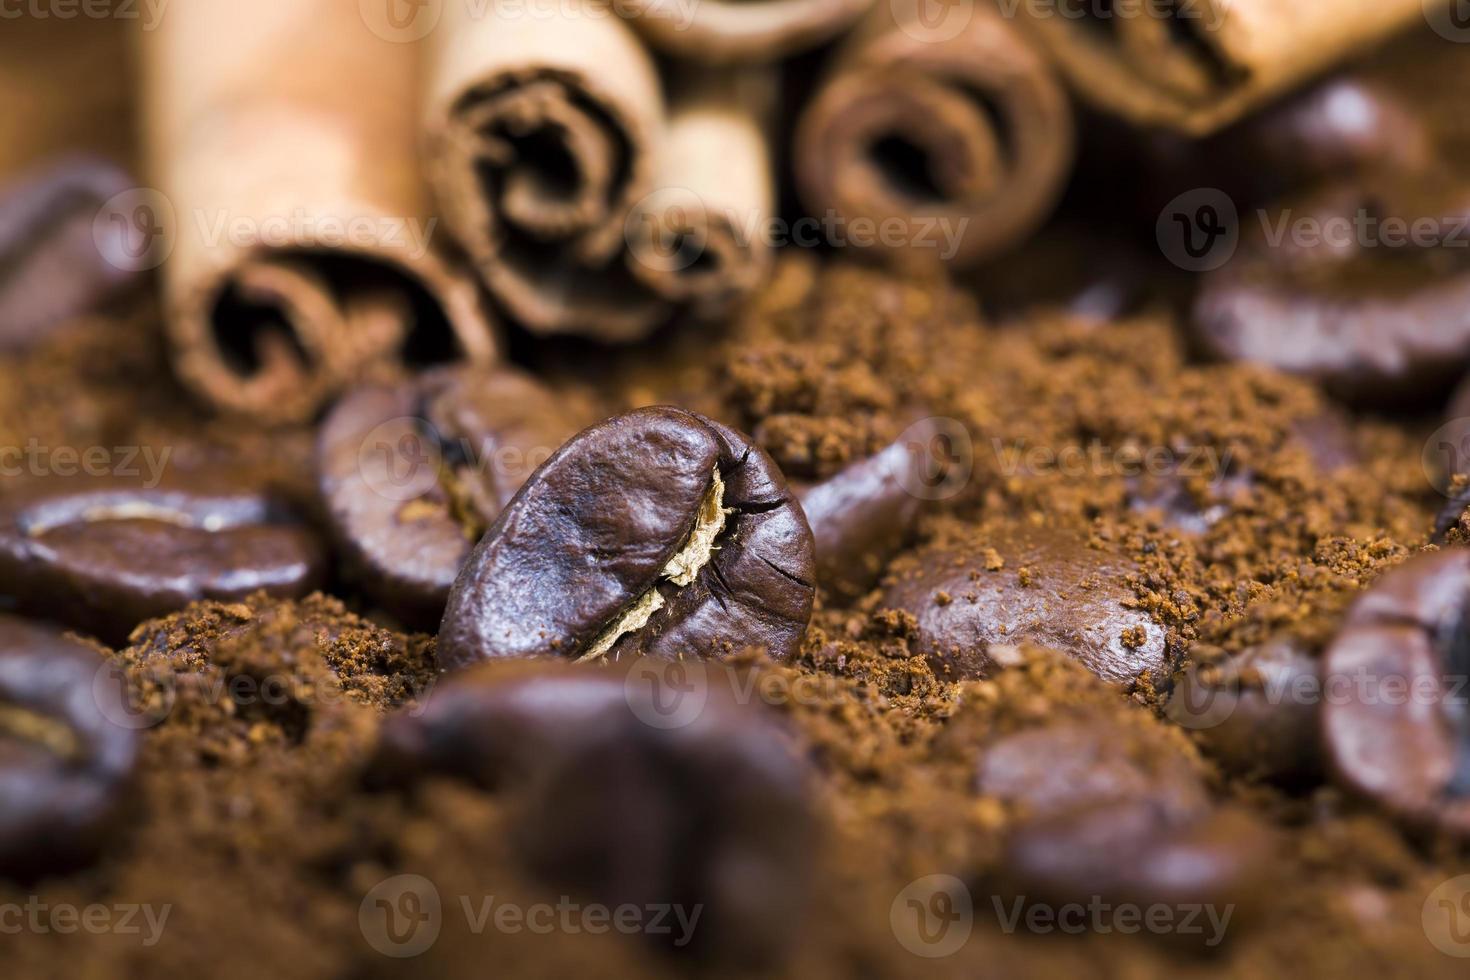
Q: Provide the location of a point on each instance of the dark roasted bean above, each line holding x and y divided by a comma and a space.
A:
58, 257
643, 782
413, 474
658, 531
861, 517
1374, 321
1256, 712
1026, 584
66, 751
1395, 718
1106, 812
104, 554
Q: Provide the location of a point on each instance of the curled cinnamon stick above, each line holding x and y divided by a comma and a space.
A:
541, 136
725, 31
964, 138
701, 237
281, 135
1197, 65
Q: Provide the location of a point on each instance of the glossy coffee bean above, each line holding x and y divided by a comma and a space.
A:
1395, 719
102, 554
66, 761
1373, 322
658, 531
412, 475
58, 258
860, 518
1026, 584
643, 782
1256, 712
1104, 811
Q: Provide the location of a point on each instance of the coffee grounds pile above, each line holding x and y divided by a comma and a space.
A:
261, 828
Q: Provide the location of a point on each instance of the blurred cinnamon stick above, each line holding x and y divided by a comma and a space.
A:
542, 135
961, 136
281, 134
701, 237
1196, 65
726, 31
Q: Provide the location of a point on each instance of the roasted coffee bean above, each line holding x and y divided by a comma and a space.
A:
1025, 584
58, 259
104, 554
1255, 712
1103, 810
658, 531
413, 474
1395, 719
862, 516
66, 751
646, 782
1377, 322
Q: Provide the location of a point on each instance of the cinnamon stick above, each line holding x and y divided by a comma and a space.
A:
964, 138
701, 237
542, 135
726, 31
1196, 65
281, 134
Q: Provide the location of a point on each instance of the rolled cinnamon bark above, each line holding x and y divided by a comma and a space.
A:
281, 135
541, 136
954, 145
701, 238
726, 31
66, 87
1197, 65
